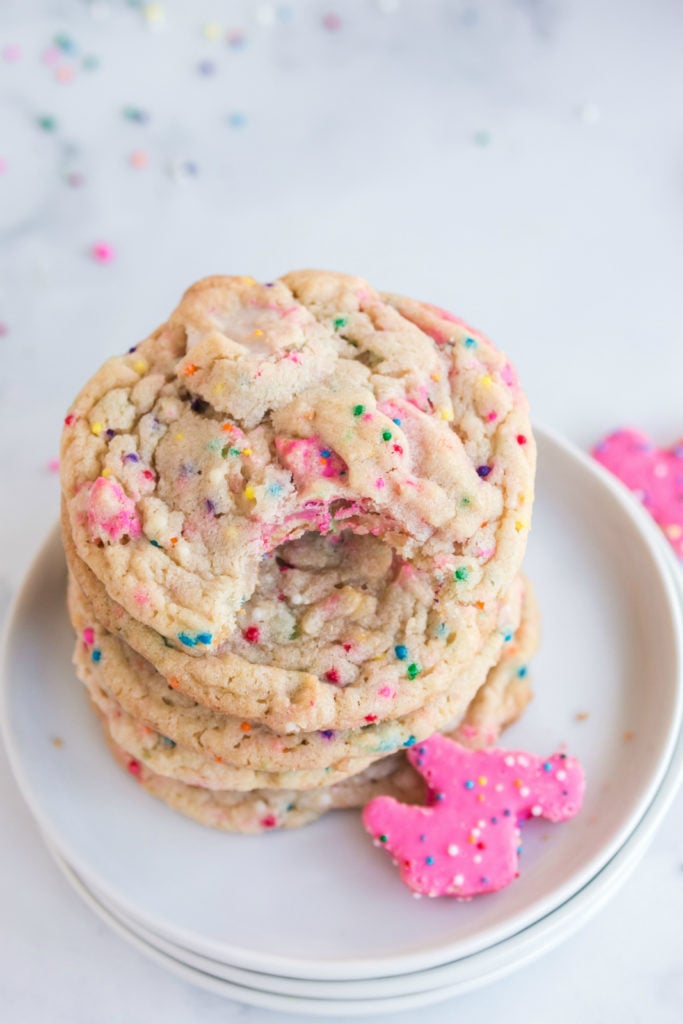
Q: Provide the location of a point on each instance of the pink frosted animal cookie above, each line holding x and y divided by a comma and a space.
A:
654, 474
466, 840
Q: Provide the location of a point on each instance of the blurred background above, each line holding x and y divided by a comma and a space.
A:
519, 162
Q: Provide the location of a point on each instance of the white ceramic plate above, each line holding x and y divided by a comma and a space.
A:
320, 902
468, 972
456, 978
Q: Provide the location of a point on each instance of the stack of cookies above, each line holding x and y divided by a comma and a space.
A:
294, 519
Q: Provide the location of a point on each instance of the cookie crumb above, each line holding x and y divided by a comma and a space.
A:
57, 742
582, 716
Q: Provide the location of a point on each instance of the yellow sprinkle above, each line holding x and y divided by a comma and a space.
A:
140, 366
482, 780
487, 381
217, 388
246, 279
249, 493
258, 333
446, 414
247, 451
519, 525
96, 429
212, 31
106, 471
179, 436
436, 376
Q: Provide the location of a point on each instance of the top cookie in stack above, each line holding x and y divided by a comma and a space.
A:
305, 504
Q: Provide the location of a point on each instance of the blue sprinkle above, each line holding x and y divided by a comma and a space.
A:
469, 784
494, 821
484, 880
155, 543
186, 639
440, 796
429, 860
327, 734
96, 655
507, 637
506, 813
237, 120
397, 422
483, 471
470, 343
274, 488
167, 742
521, 672
441, 629
204, 638
401, 652
130, 457
547, 766
422, 750
325, 453
423, 839
410, 741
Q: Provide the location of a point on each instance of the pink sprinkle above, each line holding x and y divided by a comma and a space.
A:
138, 159
332, 675
386, 691
379, 483
102, 252
88, 635
64, 74
134, 767
251, 634
269, 821
367, 417
53, 466
371, 718
492, 416
68, 420
140, 596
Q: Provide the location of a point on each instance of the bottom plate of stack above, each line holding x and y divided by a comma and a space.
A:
315, 920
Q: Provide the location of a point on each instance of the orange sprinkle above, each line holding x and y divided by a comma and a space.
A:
518, 783
219, 759
190, 369
245, 727
227, 427
481, 605
481, 798
174, 683
174, 540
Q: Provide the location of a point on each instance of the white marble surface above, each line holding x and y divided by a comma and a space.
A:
518, 162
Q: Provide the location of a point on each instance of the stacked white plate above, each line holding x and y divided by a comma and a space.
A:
316, 921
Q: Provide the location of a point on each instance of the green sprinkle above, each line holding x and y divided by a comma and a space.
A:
413, 670
358, 410
464, 502
461, 574
48, 123
339, 322
227, 450
382, 838
386, 435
